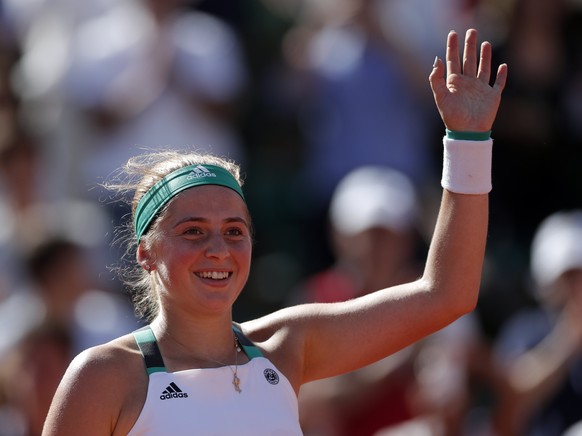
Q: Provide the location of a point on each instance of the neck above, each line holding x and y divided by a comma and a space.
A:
194, 342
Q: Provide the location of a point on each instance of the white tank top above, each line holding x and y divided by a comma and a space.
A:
205, 402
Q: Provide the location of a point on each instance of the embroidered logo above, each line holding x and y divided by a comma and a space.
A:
271, 376
200, 171
173, 391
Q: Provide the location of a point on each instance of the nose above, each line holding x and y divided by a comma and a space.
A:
217, 247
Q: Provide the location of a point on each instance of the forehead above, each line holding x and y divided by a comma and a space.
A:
208, 201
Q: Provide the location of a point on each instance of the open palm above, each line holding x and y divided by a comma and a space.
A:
465, 100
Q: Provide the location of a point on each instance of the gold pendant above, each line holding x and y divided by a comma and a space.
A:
236, 383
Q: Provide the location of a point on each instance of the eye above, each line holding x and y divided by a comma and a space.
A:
192, 231
235, 231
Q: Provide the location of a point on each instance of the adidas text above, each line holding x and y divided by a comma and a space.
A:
198, 176
200, 171
173, 391
173, 395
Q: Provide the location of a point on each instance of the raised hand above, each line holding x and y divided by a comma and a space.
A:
465, 100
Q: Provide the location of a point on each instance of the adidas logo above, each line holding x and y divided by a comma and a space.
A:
200, 171
173, 391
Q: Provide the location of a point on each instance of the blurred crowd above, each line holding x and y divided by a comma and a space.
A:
326, 105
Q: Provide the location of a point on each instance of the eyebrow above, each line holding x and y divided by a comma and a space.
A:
229, 220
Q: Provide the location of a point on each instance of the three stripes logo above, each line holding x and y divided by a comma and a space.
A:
173, 391
200, 171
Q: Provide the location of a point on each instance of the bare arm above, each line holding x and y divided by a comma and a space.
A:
335, 338
537, 374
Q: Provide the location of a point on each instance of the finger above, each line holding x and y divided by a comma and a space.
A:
437, 79
484, 73
501, 78
470, 53
452, 55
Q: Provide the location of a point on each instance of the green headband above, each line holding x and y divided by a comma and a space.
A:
165, 189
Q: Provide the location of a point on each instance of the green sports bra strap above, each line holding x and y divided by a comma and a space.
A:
249, 348
148, 346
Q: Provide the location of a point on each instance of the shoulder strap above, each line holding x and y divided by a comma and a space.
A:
249, 348
148, 346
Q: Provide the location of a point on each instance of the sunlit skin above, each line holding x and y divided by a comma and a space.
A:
206, 231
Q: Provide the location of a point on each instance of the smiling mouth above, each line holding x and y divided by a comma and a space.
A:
214, 275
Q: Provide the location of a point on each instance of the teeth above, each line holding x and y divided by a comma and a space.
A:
214, 275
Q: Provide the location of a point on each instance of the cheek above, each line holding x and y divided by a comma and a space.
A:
174, 259
243, 258
244, 254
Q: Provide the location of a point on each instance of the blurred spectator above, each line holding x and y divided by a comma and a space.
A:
435, 387
342, 95
100, 80
373, 215
431, 21
43, 31
540, 349
362, 106
29, 376
457, 388
96, 81
531, 125
373, 230
8, 128
62, 278
56, 312
574, 430
155, 74
537, 152
28, 212
20, 190
62, 288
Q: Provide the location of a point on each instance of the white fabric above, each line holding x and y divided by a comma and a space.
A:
467, 166
213, 407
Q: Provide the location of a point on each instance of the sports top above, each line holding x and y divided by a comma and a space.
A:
205, 402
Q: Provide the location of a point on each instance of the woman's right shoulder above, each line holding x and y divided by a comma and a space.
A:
81, 401
109, 359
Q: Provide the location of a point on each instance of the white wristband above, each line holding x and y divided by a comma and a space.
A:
467, 166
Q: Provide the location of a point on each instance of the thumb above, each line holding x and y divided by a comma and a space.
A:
437, 79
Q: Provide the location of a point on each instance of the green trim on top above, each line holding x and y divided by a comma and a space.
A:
249, 348
154, 369
144, 336
148, 347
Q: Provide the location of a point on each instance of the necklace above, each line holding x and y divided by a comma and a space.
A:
235, 378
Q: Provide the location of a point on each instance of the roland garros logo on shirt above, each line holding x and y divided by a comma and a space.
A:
271, 376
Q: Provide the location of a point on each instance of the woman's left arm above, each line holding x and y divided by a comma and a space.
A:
329, 339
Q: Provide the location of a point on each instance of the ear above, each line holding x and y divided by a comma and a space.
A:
144, 258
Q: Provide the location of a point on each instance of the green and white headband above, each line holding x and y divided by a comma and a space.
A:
171, 185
